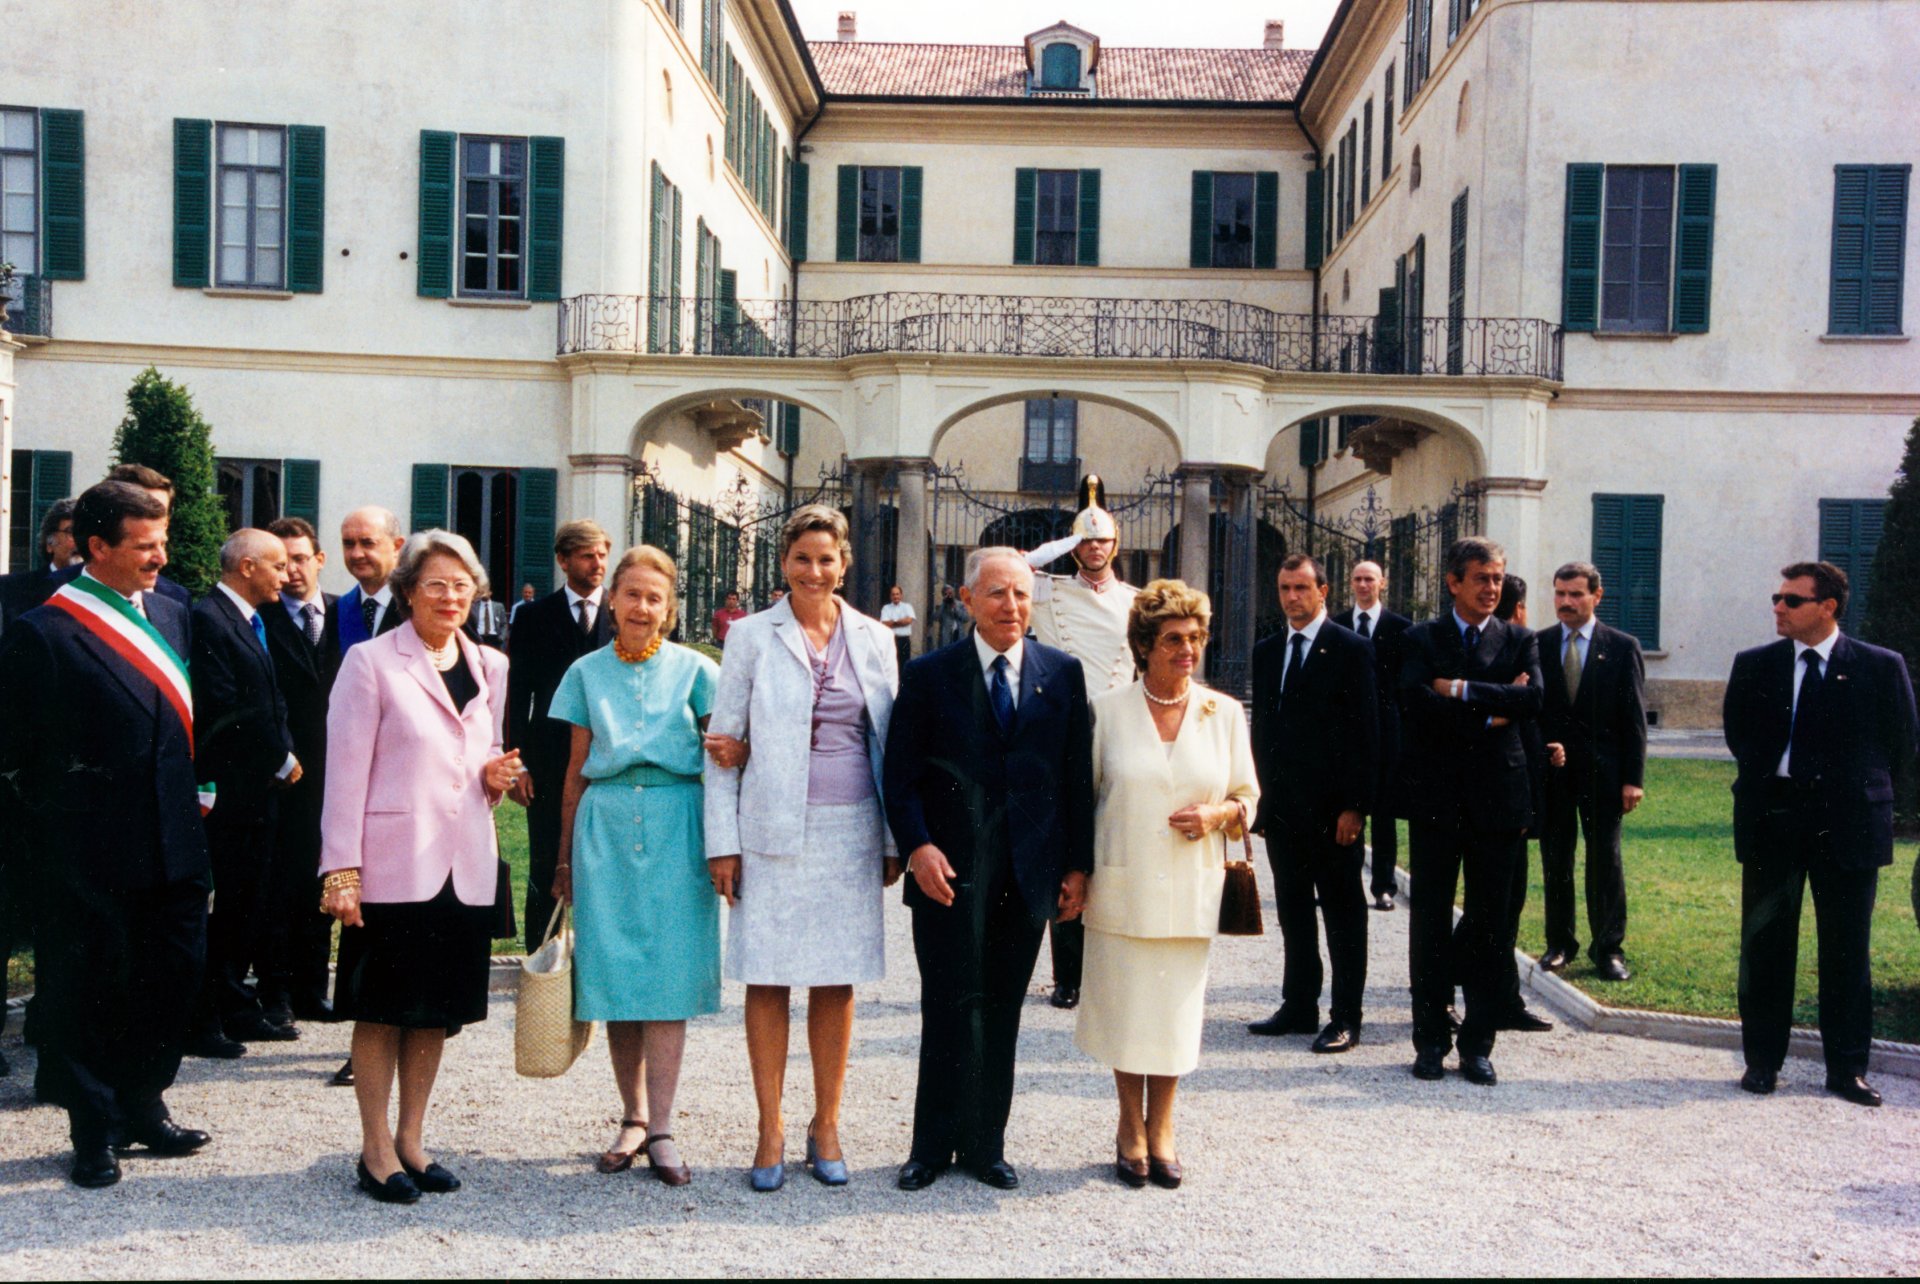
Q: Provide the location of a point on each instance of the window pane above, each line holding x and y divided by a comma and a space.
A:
18, 174
267, 148
513, 159
476, 153
509, 236
510, 194
234, 146
233, 264
17, 248
266, 190
1038, 430
477, 201
233, 188
266, 267
18, 215
509, 276
17, 131
474, 276
476, 235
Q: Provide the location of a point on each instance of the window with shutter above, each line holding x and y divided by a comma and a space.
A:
1456, 283
1693, 250
1849, 538
799, 180
1313, 442
532, 540
1626, 550
306, 208
1366, 154
300, 489
63, 187
1056, 216
846, 240
22, 178
1316, 211
1869, 249
547, 170
41, 479
192, 201
659, 252
429, 507
1088, 250
1386, 125
1580, 252
433, 265
1414, 304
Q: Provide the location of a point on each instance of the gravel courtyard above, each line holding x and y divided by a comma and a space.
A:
1596, 1155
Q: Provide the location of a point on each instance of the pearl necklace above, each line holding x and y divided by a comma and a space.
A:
1182, 698
641, 656
445, 656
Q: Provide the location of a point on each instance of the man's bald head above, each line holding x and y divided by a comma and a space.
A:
253, 563
370, 540
1367, 580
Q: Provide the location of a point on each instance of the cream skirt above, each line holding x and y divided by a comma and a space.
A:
1142, 1002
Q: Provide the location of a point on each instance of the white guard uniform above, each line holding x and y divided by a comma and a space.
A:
1090, 626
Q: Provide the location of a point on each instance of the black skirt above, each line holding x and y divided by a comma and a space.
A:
420, 965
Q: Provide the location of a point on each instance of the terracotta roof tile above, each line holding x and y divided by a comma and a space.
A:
1000, 71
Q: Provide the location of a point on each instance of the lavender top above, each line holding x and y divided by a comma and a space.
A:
838, 768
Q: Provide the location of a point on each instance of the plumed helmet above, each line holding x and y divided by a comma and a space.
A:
1093, 521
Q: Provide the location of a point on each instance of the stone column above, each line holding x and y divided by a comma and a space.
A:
1510, 516
1196, 523
911, 565
600, 489
1230, 658
865, 590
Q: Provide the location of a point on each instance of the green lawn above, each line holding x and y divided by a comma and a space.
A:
1683, 911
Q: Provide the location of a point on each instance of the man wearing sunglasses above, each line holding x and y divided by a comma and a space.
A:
1821, 725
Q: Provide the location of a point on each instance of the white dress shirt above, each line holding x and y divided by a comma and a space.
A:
1583, 647
593, 604
381, 602
1823, 649
1309, 632
247, 612
135, 597
1015, 654
1372, 616
297, 609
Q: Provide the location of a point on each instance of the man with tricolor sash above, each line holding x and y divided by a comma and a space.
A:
96, 757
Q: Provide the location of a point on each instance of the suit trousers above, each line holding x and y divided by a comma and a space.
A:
300, 937
1771, 893
543, 850
1385, 837
972, 985
1306, 868
239, 930
1479, 952
1067, 943
119, 971
1598, 819
16, 910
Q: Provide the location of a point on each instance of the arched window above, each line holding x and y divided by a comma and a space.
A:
1060, 66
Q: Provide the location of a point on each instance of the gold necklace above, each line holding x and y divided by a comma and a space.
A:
641, 656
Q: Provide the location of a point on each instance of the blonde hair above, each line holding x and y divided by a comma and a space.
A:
817, 517
647, 557
1162, 602
577, 535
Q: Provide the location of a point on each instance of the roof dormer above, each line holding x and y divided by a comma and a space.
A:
1062, 59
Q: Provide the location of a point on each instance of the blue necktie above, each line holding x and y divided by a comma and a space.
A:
1473, 639
260, 634
1001, 694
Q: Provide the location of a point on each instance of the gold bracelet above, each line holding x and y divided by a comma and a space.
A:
340, 880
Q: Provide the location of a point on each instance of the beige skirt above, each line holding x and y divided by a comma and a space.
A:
1143, 1001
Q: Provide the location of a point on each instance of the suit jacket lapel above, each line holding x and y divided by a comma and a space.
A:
422, 670
1035, 671
786, 627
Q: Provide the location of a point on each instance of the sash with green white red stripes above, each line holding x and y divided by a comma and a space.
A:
130, 635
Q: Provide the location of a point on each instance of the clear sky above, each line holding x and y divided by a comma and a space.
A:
1197, 23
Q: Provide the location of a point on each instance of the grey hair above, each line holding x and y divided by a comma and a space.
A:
979, 557
1469, 549
389, 524
423, 544
248, 541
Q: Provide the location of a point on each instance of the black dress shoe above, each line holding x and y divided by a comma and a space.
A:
343, 1077
1478, 1070
1554, 961
1613, 968
433, 1179
1065, 996
1287, 1021
1430, 1064
999, 1174
215, 1046
1131, 1172
1854, 1088
1522, 1019
165, 1138
1337, 1037
916, 1175
1759, 1082
255, 1027
1165, 1173
312, 1010
95, 1166
397, 1189
6, 1066
1383, 900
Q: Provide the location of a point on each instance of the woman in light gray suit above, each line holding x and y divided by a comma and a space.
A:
805, 693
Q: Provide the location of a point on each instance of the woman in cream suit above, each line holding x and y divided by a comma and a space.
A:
408, 856
1173, 781
796, 842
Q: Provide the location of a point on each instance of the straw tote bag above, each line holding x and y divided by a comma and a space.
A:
546, 1038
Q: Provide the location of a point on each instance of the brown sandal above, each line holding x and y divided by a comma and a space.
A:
679, 1176
618, 1161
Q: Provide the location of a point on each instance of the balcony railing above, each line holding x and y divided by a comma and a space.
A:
1029, 326
30, 311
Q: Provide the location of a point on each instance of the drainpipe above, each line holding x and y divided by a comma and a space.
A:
1313, 470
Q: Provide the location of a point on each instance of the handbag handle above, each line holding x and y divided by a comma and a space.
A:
555, 924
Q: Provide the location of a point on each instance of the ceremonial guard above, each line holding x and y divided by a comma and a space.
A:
1085, 615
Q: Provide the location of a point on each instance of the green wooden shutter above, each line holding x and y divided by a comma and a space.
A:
1849, 538
306, 208
1313, 442
656, 262
1026, 184
1266, 219
1089, 232
546, 182
300, 489
1626, 549
1457, 284
1580, 263
846, 241
1693, 250
800, 180
192, 202
429, 508
787, 441
433, 268
1869, 249
1316, 212
1200, 237
910, 179
728, 310
1389, 327
673, 277
533, 529
1886, 264
52, 481
63, 196
1386, 126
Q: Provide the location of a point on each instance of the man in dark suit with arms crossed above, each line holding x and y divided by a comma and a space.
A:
1821, 726
988, 782
1370, 618
1465, 679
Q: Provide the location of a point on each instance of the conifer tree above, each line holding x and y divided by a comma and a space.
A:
165, 432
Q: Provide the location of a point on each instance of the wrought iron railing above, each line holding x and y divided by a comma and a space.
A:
30, 311
1035, 326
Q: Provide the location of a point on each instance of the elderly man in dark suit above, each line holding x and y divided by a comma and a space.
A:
96, 746
988, 782
548, 636
1465, 680
246, 750
1316, 744
1595, 725
1370, 618
1821, 726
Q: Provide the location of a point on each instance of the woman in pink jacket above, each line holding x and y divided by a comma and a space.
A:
408, 856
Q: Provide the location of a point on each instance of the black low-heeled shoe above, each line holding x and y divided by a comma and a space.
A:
397, 1189
433, 1179
1165, 1173
1131, 1172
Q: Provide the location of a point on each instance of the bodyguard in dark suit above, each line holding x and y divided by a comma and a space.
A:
245, 749
1821, 726
1518, 1017
1596, 712
1370, 618
1316, 744
1465, 679
988, 782
548, 636
96, 743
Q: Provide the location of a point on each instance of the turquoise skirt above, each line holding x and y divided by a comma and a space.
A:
646, 920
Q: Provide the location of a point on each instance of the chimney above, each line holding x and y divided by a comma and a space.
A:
847, 17
1276, 34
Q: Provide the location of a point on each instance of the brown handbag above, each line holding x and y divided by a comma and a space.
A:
1240, 897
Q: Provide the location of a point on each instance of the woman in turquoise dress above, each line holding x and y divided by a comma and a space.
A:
633, 855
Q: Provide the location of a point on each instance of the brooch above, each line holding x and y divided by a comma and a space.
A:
1210, 706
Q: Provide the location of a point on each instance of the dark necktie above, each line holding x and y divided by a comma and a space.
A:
369, 611
1803, 756
1362, 622
311, 623
1295, 658
586, 624
1473, 639
1001, 694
